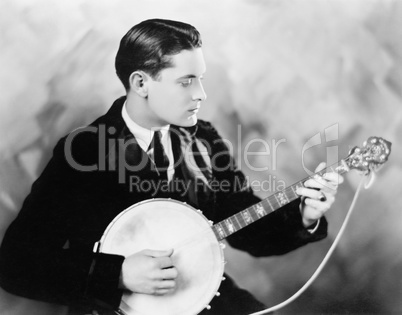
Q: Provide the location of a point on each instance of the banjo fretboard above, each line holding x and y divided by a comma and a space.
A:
275, 201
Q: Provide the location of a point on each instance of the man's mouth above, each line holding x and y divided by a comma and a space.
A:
194, 110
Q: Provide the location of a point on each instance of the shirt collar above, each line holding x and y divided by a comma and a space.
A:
143, 135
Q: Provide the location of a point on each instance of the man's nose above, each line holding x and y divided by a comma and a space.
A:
199, 93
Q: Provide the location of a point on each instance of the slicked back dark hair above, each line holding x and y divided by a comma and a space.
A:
148, 46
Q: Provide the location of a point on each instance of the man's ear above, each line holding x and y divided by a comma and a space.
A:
138, 83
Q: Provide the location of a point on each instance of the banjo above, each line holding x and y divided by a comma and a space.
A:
198, 251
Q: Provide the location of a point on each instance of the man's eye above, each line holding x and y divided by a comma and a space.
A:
186, 83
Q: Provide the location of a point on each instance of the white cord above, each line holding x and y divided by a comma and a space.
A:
327, 256
369, 180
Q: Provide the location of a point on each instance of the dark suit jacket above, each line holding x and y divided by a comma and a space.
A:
47, 252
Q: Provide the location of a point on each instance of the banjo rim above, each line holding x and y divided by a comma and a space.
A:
219, 267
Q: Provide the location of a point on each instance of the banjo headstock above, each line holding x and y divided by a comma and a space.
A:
371, 156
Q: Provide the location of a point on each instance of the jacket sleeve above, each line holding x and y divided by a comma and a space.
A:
278, 232
37, 258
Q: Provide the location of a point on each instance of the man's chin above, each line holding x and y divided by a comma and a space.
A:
190, 122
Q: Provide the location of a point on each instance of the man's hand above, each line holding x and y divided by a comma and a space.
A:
318, 195
149, 272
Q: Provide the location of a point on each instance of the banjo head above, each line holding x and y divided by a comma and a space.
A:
161, 224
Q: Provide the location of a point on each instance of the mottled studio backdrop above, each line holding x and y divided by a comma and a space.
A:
279, 70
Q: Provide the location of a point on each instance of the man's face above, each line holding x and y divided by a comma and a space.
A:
176, 96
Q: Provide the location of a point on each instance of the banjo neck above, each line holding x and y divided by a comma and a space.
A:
370, 157
275, 201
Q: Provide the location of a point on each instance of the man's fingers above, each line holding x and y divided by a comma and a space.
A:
164, 262
309, 193
320, 167
317, 204
164, 286
334, 178
158, 253
328, 182
315, 194
318, 182
319, 208
169, 274
318, 194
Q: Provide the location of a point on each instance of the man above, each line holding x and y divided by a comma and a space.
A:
150, 136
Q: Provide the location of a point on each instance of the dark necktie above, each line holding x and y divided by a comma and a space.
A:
195, 166
160, 158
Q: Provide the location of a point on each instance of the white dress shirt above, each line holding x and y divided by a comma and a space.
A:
144, 137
